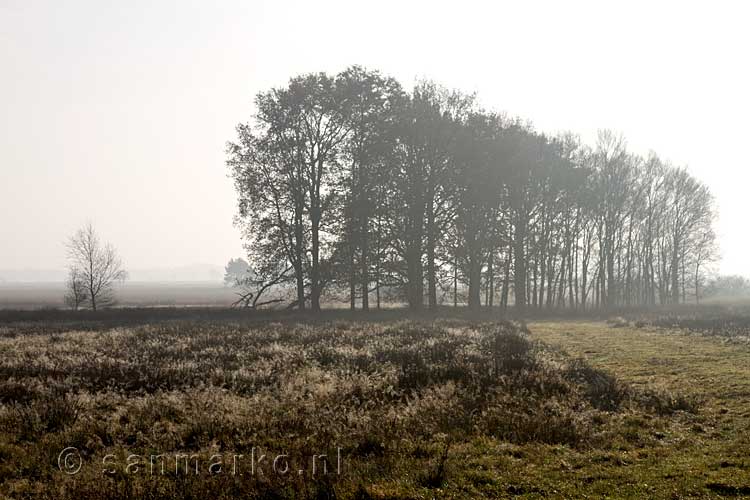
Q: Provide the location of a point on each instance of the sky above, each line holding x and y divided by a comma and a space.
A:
118, 113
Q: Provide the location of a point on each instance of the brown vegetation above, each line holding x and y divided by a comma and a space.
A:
396, 397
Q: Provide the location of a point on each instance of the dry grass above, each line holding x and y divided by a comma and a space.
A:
699, 455
420, 408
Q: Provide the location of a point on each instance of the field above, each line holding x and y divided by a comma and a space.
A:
31, 296
226, 404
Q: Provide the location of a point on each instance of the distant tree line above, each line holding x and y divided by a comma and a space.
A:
349, 185
724, 287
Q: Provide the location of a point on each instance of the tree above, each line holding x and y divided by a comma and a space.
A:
704, 252
236, 271
373, 103
479, 177
94, 268
320, 105
285, 168
523, 163
267, 175
421, 187
77, 292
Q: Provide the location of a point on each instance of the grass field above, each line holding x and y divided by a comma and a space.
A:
400, 407
703, 455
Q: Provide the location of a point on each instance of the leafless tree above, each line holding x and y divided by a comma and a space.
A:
76, 290
94, 267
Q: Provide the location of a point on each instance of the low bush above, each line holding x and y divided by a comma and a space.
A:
603, 390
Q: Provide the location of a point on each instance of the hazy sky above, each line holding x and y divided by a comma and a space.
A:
118, 112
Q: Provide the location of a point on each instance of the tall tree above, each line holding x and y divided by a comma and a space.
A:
271, 193
428, 132
367, 152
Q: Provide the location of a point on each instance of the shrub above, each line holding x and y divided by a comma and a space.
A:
12, 391
511, 349
48, 414
522, 419
618, 322
663, 402
601, 389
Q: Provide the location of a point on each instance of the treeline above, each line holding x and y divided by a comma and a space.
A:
349, 185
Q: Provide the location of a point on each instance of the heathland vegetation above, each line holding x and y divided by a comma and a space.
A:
158, 404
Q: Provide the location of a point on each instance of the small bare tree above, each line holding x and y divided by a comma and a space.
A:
76, 291
95, 266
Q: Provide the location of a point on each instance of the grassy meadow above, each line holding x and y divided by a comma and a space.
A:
171, 405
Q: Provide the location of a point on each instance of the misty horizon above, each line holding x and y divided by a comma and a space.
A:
197, 272
152, 115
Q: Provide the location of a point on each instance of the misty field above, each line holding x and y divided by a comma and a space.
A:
31, 296
228, 405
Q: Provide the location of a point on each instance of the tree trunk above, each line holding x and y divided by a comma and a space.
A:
364, 269
697, 283
352, 280
315, 288
490, 280
519, 267
415, 290
675, 275
506, 278
475, 279
431, 270
455, 278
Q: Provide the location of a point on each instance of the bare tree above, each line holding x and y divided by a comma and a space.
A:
94, 266
76, 291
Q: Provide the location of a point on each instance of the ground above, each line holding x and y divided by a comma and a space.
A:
701, 456
416, 407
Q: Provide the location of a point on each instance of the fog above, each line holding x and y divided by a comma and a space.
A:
119, 114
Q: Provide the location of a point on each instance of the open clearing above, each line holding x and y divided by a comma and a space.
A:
701, 456
417, 408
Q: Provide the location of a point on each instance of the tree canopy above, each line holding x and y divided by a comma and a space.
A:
352, 187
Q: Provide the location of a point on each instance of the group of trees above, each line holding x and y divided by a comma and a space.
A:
728, 287
350, 186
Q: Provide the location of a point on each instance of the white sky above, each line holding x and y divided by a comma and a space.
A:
118, 112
